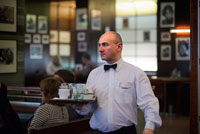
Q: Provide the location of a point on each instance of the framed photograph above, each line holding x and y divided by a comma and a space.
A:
64, 37
30, 23
81, 19
167, 14
8, 11
146, 36
82, 47
36, 51
183, 48
53, 36
165, 36
42, 24
81, 36
165, 52
45, 39
125, 24
96, 20
53, 49
64, 50
8, 56
27, 38
36, 38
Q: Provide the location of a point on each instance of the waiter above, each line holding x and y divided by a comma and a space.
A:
120, 88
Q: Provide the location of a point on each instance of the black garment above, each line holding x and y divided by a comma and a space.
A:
10, 122
107, 67
124, 130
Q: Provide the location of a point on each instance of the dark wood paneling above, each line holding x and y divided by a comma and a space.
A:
107, 8
194, 67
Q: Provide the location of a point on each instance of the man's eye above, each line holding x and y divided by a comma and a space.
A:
105, 44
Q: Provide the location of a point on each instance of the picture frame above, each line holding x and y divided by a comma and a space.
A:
125, 23
27, 38
167, 14
36, 51
165, 36
146, 35
53, 49
43, 24
45, 39
82, 47
31, 23
8, 19
81, 36
8, 56
81, 19
64, 36
165, 52
53, 36
96, 20
36, 38
64, 49
183, 48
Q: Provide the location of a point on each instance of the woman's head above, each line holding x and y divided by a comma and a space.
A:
49, 88
66, 75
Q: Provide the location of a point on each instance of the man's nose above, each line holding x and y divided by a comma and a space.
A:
100, 48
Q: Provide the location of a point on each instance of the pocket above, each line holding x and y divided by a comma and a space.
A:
123, 93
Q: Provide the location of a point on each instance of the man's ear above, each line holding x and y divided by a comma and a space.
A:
119, 45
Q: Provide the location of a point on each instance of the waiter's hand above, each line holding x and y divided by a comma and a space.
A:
147, 131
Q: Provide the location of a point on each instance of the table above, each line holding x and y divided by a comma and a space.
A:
159, 84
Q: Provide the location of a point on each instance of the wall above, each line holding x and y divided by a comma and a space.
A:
107, 9
182, 18
16, 79
35, 68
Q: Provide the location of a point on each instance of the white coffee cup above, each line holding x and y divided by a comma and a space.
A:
64, 93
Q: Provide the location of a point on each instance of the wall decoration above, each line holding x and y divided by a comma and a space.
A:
146, 35
82, 47
64, 50
53, 36
81, 36
36, 51
167, 14
64, 37
8, 15
165, 52
45, 39
8, 56
53, 50
96, 20
81, 19
125, 23
36, 38
42, 24
183, 48
165, 36
27, 38
30, 23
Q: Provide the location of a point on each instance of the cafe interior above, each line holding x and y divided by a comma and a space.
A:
37, 30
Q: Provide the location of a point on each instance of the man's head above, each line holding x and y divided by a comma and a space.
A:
168, 12
110, 47
56, 60
85, 58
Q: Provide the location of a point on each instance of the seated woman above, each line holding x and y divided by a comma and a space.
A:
48, 113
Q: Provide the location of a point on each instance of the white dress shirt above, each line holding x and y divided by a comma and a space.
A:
119, 93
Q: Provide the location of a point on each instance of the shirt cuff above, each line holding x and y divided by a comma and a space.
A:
150, 125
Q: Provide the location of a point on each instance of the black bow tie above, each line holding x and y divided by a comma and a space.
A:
107, 67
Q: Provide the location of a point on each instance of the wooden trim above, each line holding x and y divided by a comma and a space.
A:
194, 67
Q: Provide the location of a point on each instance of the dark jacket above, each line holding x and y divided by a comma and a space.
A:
9, 120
